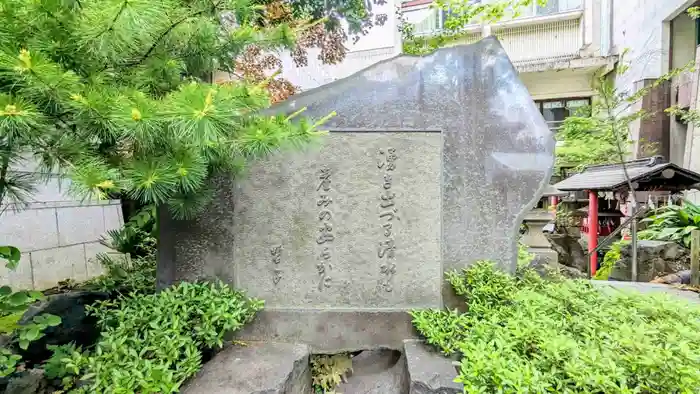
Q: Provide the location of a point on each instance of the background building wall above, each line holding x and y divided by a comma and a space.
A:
57, 234
380, 43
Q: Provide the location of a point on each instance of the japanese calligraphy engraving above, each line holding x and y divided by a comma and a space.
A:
387, 214
325, 230
276, 253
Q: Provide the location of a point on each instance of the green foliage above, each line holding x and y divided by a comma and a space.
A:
115, 94
11, 255
153, 343
443, 329
611, 257
524, 256
125, 276
61, 366
536, 336
13, 304
328, 371
461, 13
32, 331
8, 323
585, 140
8, 362
600, 134
138, 236
672, 223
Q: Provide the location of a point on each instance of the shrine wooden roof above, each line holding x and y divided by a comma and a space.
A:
648, 174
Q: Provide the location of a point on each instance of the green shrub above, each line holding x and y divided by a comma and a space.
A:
535, 336
609, 260
153, 343
60, 365
13, 304
137, 237
125, 276
672, 223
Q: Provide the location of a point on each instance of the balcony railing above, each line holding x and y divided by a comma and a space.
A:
542, 42
529, 40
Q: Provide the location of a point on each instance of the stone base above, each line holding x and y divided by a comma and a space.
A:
331, 331
377, 371
269, 368
429, 371
282, 368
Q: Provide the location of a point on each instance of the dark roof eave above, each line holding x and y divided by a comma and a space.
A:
690, 175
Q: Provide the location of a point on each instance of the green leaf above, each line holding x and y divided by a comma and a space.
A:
12, 255
5, 291
52, 320
668, 232
32, 333
23, 344
19, 298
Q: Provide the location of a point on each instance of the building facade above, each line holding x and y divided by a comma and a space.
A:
557, 49
659, 36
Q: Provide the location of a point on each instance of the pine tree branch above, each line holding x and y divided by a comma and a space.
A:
162, 36
3, 177
168, 31
114, 21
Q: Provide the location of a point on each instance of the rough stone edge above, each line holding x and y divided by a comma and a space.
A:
647, 288
286, 386
419, 387
303, 377
331, 331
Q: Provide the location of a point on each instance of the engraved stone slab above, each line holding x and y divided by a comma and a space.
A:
498, 152
354, 223
494, 159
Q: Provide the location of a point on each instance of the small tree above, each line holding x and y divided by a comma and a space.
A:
326, 34
115, 94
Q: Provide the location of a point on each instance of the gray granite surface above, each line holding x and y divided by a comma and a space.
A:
430, 165
429, 372
257, 368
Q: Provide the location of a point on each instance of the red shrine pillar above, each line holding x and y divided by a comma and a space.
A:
593, 230
553, 201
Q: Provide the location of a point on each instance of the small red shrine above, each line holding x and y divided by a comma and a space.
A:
654, 182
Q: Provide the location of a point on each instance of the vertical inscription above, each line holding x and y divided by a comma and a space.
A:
325, 236
276, 253
388, 214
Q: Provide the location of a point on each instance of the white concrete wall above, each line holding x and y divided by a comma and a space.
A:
57, 235
683, 52
381, 43
558, 84
643, 27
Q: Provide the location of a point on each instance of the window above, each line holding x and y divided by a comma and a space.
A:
444, 14
555, 111
552, 7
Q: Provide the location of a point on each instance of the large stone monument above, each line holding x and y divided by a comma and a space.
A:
430, 165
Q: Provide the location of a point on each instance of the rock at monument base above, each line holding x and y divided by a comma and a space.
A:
569, 250
429, 371
544, 267
28, 382
377, 371
75, 325
258, 368
654, 259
